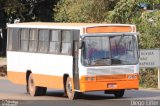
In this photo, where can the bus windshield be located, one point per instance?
(109, 50)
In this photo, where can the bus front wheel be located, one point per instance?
(35, 90)
(119, 93)
(69, 89)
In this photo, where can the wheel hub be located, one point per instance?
(70, 87)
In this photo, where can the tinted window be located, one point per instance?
(43, 40)
(9, 35)
(55, 41)
(13, 39)
(67, 38)
(96, 51)
(24, 39)
(123, 50)
(33, 41)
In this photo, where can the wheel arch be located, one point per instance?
(65, 78)
(28, 72)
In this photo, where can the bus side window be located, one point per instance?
(13, 39)
(15, 46)
(10, 36)
(55, 41)
(33, 40)
(24, 40)
(43, 41)
(67, 39)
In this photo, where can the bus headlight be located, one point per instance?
(129, 77)
(132, 77)
(90, 78)
(87, 78)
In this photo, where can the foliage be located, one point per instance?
(149, 30)
(148, 78)
(122, 12)
(2, 14)
(28, 10)
(82, 10)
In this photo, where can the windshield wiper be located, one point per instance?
(120, 39)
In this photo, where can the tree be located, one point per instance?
(149, 29)
(82, 10)
(29, 10)
(2, 29)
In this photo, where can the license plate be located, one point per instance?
(111, 85)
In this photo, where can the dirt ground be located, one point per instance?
(2, 61)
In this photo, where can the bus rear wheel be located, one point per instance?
(119, 93)
(69, 89)
(35, 90)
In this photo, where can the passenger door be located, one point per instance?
(75, 66)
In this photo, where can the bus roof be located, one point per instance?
(52, 25)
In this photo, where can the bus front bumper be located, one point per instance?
(109, 85)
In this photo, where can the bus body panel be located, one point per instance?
(47, 69)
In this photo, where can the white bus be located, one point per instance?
(75, 57)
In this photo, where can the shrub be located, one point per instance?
(148, 78)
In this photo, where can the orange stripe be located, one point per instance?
(108, 29)
(39, 79)
(48, 81)
(17, 77)
(99, 83)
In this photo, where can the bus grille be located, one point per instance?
(110, 77)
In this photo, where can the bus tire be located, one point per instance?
(43, 91)
(33, 90)
(27, 77)
(69, 89)
(27, 89)
(119, 93)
